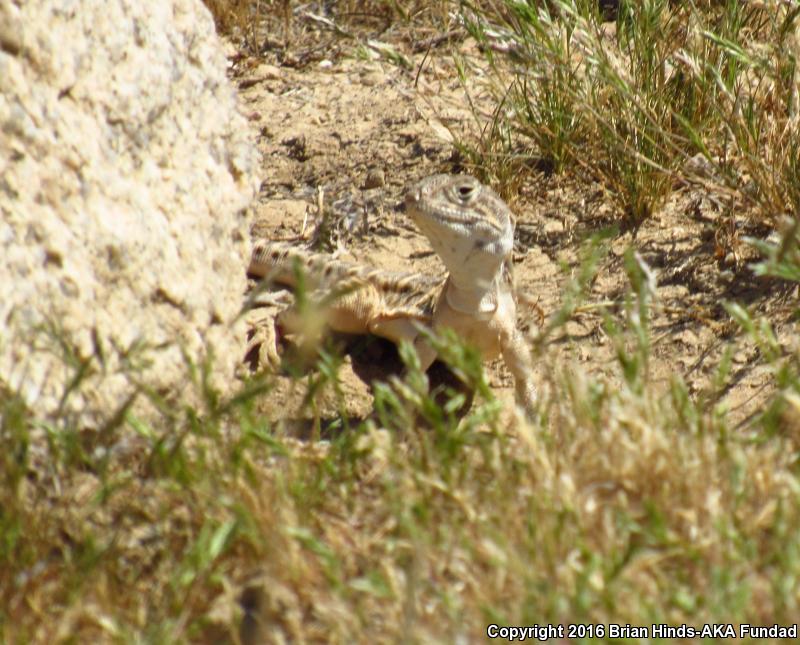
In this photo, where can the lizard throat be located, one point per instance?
(475, 301)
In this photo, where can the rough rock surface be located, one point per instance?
(125, 171)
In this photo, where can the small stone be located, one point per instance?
(373, 77)
(375, 179)
(268, 72)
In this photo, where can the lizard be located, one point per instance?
(471, 229)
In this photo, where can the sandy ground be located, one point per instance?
(353, 134)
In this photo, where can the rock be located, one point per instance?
(125, 173)
(375, 179)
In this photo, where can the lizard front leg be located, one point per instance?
(517, 358)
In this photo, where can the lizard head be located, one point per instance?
(468, 225)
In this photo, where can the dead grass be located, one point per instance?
(299, 34)
(618, 505)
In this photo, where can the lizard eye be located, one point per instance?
(465, 192)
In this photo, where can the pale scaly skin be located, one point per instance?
(472, 230)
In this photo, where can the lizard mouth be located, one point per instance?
(444, 216)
